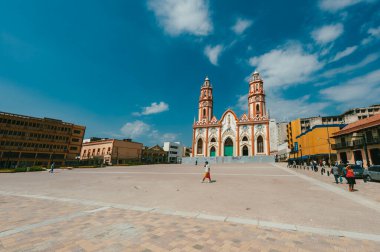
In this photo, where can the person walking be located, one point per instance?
(335, 172)
(52, 167)
(207, 173)
(350, 178)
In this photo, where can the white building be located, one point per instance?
(174, 150)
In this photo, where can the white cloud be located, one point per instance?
(327, 33)
(135, 129)
(344, 53)
(349, 68)
(358, 91)
(286, 66)
(213, 53)
(154, 108)
(374, 34)
(285, 110)
(241, 25)
(139, 129)
(183, 16)
(336, 5)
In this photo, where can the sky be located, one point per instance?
(133, 69)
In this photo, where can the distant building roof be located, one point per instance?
(359, 125)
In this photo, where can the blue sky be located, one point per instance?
(134, 68)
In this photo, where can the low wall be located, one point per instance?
(221, 160)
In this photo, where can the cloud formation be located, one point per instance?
(286, 66)
(213, 53)
(183, 16)
(154, 108)
(327, 33)
(241, 25)
(336, 5)
(374, 34)
(349, 68)
(139, 129)
(344, 53)
(355, 92)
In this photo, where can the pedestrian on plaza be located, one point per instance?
(360, 163)
(350, 178)
(335, 172)
(196, 161)
(207, 173)
(52, 167)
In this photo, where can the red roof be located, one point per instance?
(359, 125)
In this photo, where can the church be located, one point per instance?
(247, 135)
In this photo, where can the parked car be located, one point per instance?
(372, 173)
(357, 169)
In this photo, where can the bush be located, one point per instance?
(30, 169)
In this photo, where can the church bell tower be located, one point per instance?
(205, 111)
(256, 97)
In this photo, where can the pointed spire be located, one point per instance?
(206, 83)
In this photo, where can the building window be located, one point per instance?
(245, 139)
(213, 140)
(77, 131)
(75, 140)
(200, 146)
(257, 109)
(73, 148)
(204, 112)
(260, 144)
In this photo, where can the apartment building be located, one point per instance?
(29, 141)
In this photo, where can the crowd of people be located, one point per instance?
(344, 173)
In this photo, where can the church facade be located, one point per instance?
(247, 135)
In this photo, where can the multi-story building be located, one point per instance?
(273, 136)
(186, 151)
(154, 154)
(281, 133)
(174, 150)
(301, 125)
(111, 151)
(29, 141)
(359, 141)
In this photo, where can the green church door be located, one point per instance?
(228, 148)
(212, 152)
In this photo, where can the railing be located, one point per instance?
(355, 143)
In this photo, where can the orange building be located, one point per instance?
(111, 151)
(359, 141)
(28, 141)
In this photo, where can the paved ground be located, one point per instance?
(250, 207)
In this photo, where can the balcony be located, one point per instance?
(359, 143)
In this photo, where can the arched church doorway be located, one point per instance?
(212, 151)
(228, 147)
(200, 146)
(260, 144)
(245, 150)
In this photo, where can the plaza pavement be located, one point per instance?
(250, 207)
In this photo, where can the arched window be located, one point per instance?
(200, 146)
(213, 140)
(245, 139)
(204, 112)
(257, 109)
(260, 144)
(245, 151)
